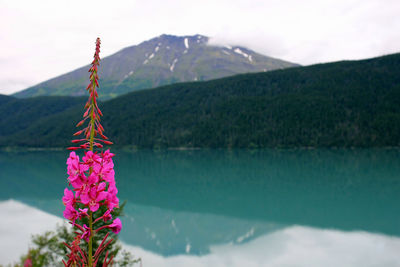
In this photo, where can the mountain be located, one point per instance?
(163, 60)
(341, 104)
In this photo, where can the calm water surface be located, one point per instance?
(183, 202)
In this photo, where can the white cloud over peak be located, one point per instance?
(48, 38)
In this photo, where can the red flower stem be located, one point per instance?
(101, 244)
(98, 252)
(110, 261)
(78, 226)
(83, 255)
(68, 246)
(101, 228)
(98, 219)
(105, 260)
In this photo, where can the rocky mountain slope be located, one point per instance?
(160, 61)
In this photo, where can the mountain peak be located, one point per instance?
(159, 61)
(179, 41)
(174, 37)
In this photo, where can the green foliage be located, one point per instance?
(47, 249)
(341, 104)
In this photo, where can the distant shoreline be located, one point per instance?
(130, 148)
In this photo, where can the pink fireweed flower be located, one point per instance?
(70, 213)
(68, 198)
(90, 158)
(84, 188)
(96, 194)
(107, 216)
(72, 158)
(93, 178)
(83, 213)
(112, 200)
(28, 262)
(77, 181)
(105, 171)
(107, 155)
(75, 170)
(116, 226)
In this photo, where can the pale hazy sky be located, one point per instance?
(42, 39)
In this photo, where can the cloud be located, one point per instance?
(12, 85)
(311, 32)
(57, 36)
(16, 228)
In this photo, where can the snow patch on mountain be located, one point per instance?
(129, 74)
(186, 43)
(173, 65)
(240, 52)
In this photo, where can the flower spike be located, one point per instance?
(92, 111)
(93, 183)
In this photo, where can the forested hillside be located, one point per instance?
(341, 104)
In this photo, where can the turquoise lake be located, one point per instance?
(186, 202)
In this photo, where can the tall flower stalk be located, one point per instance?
(93, 183)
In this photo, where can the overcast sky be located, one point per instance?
(42, 39)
